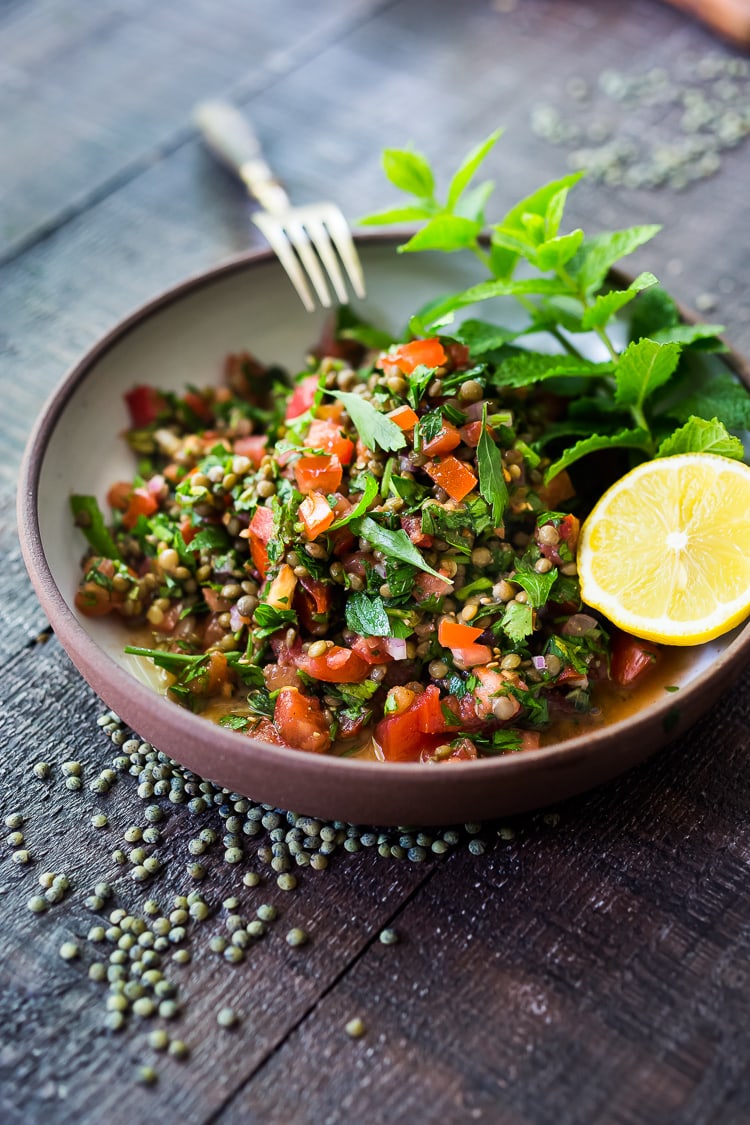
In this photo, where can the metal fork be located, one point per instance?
(303, 238)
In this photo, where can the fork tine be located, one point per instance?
(321, 240)
(344, 243)
(300, 241)
(279, 243)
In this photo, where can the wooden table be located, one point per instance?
(593, 964)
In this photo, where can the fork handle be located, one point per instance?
(231, 138)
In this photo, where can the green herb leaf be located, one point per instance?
(555, 252)
(655, 311)
(607, 304)
(373, 427)
(524, 368)
(518, 621)
(701, 436)
(722, 397)
(210, 538)
(371, 490)
(481, 337)
(88, 517)
(687, 334)
(366, 615)
(546, 201)
(537, 586)
(622, 439)
(469, 166)
(599, 253)
(492, 484)
(644, 366)
(269, 619)
(396, 215)
(394, 544)
(409, 171)
(444, 232)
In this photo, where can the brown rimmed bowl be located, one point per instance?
(181, 337)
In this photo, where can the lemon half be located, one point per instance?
(665, 552)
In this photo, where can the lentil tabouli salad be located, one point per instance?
(379, 556)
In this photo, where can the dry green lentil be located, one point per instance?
(158, 1039)
(355, 1028)
(296, 937)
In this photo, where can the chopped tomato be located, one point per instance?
(428, 586)
(372, 649)
(211, 678)
(418, 353)
(188, 532)
(463, 751)
(214, 601)
(472, 431)
(452, 475)
(337, 665)
(630, 658)
(312, 601)
(412, 525)
(404, 417)
(418, 729)
(198, 405)
(259, 534)
(443, 442)
(556, 491)
(97, 598)
(351, 727)
(300, 721)
(325, 434)
(491, 686)
(145, 404)
(318, 473)
(452, 634)
(301, 398)
(141, 502)
(316, 514)
(472, 655)
(252, 446)
(119, 494)
(265, 731)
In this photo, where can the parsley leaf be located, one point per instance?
(518, 621)
(492, 484)
(374, 428)
(537, 586)
(370, 492)
(394, 544)
(269, 619)
(366, 615)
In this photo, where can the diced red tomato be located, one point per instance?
(338, 665)
(417, 353)
(453, 634)
(404, 417)
(119, 494)
(420, 728)
(141, 502)
(300, 721)
(630, 658)
(188, 532)
(463, 751)
(472, 431)
(557, 491)
(444, 442)
(312, 602)
(318, 473)
(412, 525)
(325, 434)
(374, 650)
(265, 731)
(452, 475)
(351, 727)
(213, 600)
(198, 405)
(316, 514)
(428, 586)
(252, 446)
(301, 398)
(145, 404)
(259, 534)
(472, 655)
(491, 686)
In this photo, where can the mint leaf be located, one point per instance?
(393, 544)
(655, 310)
(433, 313)
(471, 205)
(444, 232)
(492, 484)
(555, 252)
(525, 368)
(396, 215)
(409, 171)
(623, 439)
(723, 397)
(366, 615)
(480, 336)
(599, 254)
(701, 436)
(373, 427)
(469, 166)
(546, 200)
(518, 621)
(371, 490)
(686, 334)
(644, 366)
(211, 538)
(607, 304)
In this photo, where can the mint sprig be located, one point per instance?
(565, 293)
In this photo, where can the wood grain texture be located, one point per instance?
(593, 964)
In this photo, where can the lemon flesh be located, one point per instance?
(665, 552)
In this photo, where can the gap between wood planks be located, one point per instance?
(240, 93)
(430, 874)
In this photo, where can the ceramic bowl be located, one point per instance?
(181, 337)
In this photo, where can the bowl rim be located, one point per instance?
(83, 649)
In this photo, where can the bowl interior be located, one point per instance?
(181, 338)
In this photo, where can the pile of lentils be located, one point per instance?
(653, 129)
(140, 928)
